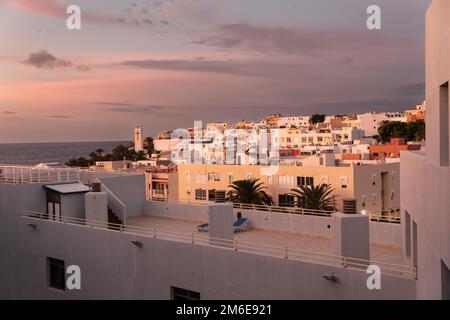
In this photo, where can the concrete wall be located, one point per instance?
(425, 179)
(380, 233)
(425, 190)
(176, 211)
(72, 205)
(114, 268)
(130, 190)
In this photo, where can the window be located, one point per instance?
(200, 194)
(325, 179)
(286, 181)
(213, 176)
(344, 182)
(407, 234)
(305, 181)
(183, 294)
(56, 274)
(286, 200)
(212, 195)
(201, 178)
(443, 125)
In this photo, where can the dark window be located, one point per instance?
(286, 200)
(56, 273)
(212, 195)
(305, 181)
(183, 294)
(200, 194)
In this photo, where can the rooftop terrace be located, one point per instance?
(294, 241)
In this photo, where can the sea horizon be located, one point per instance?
(32, 153)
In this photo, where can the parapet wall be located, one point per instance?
(380, 233)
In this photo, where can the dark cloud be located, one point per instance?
(292, 41)
(147, 22)
(83, 68)
(8, 112)
(227, 66)
(164, 22)
(45, 60)
(58, 116)
(130, 107)
(169, 111)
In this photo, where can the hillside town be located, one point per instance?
(355, 155)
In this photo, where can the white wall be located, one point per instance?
(380, 233)
(113, 268)
(130, 190)
(72, 205)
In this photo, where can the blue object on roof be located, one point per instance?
(240, 222)
(203, 227)
(239, 225)
(67, 188)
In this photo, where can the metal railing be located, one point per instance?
(388, 216)
(115, 204)
(282, 252)
(288, 210)
(17, 174)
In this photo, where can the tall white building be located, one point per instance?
(371, 121)
(138, 139)
(425, 176)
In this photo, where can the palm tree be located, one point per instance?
(249, 191)
(99, 152)
(315, 197)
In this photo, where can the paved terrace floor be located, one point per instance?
(387, 254)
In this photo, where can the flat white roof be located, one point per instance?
(67, 188)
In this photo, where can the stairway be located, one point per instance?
(114, 223)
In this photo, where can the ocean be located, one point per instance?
(61, 152)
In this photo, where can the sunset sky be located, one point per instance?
(166, 63)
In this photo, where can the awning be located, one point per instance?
(67, 188)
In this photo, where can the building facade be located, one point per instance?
(425, 178)
(374, 186)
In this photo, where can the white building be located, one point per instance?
(371, 121)
(129, 248)
(425, 178)
(138, 139)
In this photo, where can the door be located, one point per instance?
(53, 205)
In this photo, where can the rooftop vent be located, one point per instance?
(219, 196)
(349, 206)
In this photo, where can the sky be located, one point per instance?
(166, 63)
